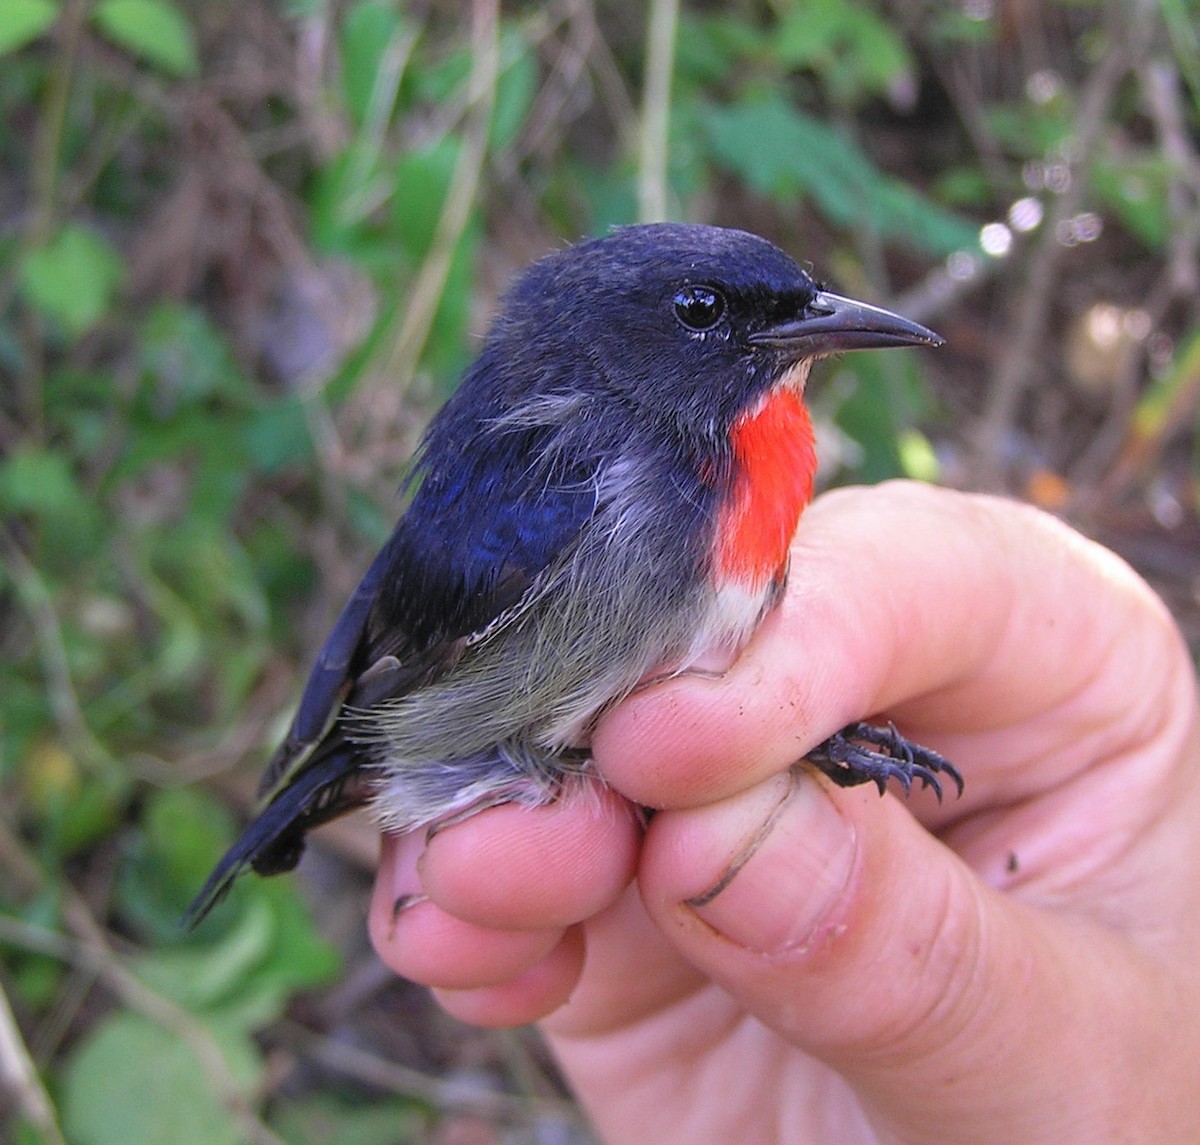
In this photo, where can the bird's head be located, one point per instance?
(695, 323)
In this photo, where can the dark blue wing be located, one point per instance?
(274, 839)
(327, 683)
(474, 538)
(479, 530)
(495, 501)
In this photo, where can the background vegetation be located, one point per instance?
(245, 249)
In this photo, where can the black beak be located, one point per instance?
(832, 323)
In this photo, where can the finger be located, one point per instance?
(958, 615)
(522, 868)
(632, 974)
(420, 941)
(837, 921)
(539, 991)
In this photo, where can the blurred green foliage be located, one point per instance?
(215, 358)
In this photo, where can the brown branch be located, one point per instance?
(1128, 36)
(653, 141)
(400, 360)
(19, 1077)
(441, 1094)
(89, 950)
(64, 702)
(1113, 444)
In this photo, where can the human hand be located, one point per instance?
(1017, 965)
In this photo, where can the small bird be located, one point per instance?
(607, 499)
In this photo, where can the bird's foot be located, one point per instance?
(865, 753)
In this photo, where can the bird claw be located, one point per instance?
(865, 753)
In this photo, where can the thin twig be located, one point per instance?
(1160, 83)
(68, 712)
(405, 351)
(1084, 476)
(654, 141)
(439, 1093)
(43, 175)
(614, 94)
(19, 1077)
(1112, 442)
(972, 116)
(369, 142)
(550, 111)
(43, 199)
(1016, 368)
(90, 950)
(940, 290)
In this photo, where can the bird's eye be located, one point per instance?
(698, 307)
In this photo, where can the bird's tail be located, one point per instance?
(330, 784)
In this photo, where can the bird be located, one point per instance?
(607, 499)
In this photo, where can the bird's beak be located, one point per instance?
(832, 324)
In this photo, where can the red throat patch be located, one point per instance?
(775, 462)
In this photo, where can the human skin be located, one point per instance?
(1017, 965)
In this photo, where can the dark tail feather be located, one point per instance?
(273, 840)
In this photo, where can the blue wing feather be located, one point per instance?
(272, 841)
(478, 532)
(493, 505)
(327, 682)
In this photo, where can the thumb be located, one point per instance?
(841, 924)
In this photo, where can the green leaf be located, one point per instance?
(515, 89)
(964, 186)
(370, 520)
(446, 353)
(1031, 130)
(856, 51)
(345, 202)
(187, 356)
(807, 156)
(918, 458)
(324, 1119)
(300, 958)
(39, 482)
(208, 976)
(709, 48)
(72, 279)
(882, 395)
(422, 179)
(1179, 18)
(70, 522)
(279, 435)
(1166, 393)
(1135, 187)
(38, 981)
(185, 833)
(132, 1081)
(369, 32)
(267, 950)
(78, 816)
(22, 21)
(610, 193)
(439, 79)
(950, 26)
(154, 30)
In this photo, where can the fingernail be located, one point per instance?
(406, 857)
(406, 902)
(400, 878)
(784, 879)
